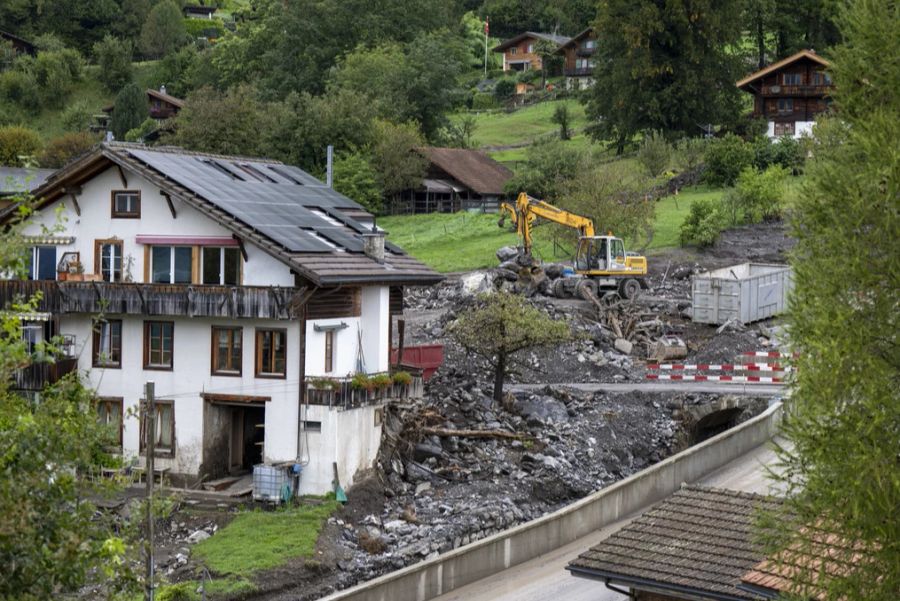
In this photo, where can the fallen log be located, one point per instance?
(444, 432)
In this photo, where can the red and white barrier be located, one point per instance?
(777, 369)
(703, 378)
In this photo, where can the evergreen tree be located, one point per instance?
(665, 66)
(129, 111)
(842, 475)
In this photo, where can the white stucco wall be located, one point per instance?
(375, 324)
(349, 437)
(801, 128)
(190, 376)
(346, 343)
(96, 223)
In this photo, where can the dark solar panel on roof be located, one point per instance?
(277, 210)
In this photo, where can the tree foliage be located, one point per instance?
(114, 59)
(397, 164)
(703, 224)
(355, 178)
(18, 145)
(232, 122)
(62, 149)
(130, 110)
(654, 153)
(665, 66)
(562, 118)
(725, 158)
(548, 166)
(841, 475)
(501, 325)
(163, 31)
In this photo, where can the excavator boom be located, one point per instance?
(528, 209)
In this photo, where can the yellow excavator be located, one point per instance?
(601, 260)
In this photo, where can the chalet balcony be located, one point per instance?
(579, 72)
(40, 374)
(188, 300)
(581, 51)
(813, 91)
(351, 392)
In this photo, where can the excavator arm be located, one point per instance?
(527, 210)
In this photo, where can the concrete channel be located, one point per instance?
(462, 566)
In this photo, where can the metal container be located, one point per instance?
(742, 293)
(268, 483)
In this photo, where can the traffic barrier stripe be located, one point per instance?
(719, 367)
(760, 379)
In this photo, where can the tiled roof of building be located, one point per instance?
(165, 97)
(15, 180)
(473, 168)
(280, 208)
(697, 542)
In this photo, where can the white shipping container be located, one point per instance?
(744, 293)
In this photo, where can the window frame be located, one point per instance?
(98, 258)
(789, 106)
(329, 351)
(146, 344)
(96, 344)
(157, 450)
(214, 353)
(222, 251)
(133, 214)
(788, 79)
(108, 400)
(172, 253)
(35, 266)
(260, 332)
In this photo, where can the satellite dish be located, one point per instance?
(775, 89)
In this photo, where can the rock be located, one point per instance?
(196, 537)
(422, 487)
(424, 450)
(476, 282)
(507, 253)
(623, 346)
(542, 408)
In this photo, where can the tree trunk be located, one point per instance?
(499, 376)
(760, 38)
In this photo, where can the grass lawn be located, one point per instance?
(454, 242)
(466, 241)
(671, 211)
(500, 128)
(258, 540)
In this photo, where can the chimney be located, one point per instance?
(373, 243)
(162, 89)
(329, 167)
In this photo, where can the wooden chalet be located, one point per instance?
(790, 93)
(161, 104)
(199, 12)
(457, 179)
(519, 51)
(578, 67)
(19, 45)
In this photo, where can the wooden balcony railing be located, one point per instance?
(40, 374)
(191, 300)
(579, 72)
(777, 90)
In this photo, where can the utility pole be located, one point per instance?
(150, 449)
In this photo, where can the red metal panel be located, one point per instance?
(427, 357)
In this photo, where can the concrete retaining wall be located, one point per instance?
(488, 556)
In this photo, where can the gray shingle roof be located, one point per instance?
(14, 180)
(699, 541)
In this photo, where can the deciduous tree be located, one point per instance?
(394, 157)
(669, 66)
(163, 30)
(114, 59)
(501, 325)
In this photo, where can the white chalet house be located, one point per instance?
(235, 285)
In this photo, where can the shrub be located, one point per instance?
(654, 153)
(482, 101)
(759, 193)
(66, 147)
(114, 59)
(323, 384)
(725, 159)
(401, 377)
(137, 134)
(689, 153)
(55, 74)
(77, 116)
(703, 224)
(504, 88)
(19, 87)
(790, 153)
(205, 28)
(17, 145)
